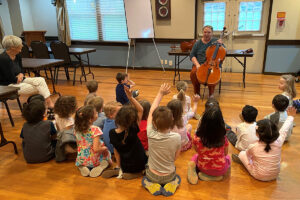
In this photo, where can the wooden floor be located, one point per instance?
(51, 180)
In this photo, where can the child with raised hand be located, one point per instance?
(92, 155)
(92, 87)
(164, 149)
(38, 135)
(180, 123)
(97, 102)
(288, 88)
(211, 145)
(262, 159)
(128, 149)
(123, 80)
(64, 108)
(143, 124)
(280, 104)
(245, 131)
(182, 87)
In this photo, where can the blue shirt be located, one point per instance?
(108, 125)
(120, 93)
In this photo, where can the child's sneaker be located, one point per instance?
(110, 173)
(192, 176)
(205, 177)
(236, 158)
(135, 93)
(97, 171)
(84, 170)
(170, 188)
(153, 188)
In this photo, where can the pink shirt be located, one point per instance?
(264, 165)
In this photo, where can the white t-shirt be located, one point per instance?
(162, 150)
(246, 135)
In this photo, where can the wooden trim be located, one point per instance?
(140, 68)
(267, 36)
(277, 73)
(148, 40)
(283, 42)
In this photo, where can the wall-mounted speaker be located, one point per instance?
(0, 2)
(163, 9)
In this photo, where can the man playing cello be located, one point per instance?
(198, 57)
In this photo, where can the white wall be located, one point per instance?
(291, 31)
(25, 8)
(44, 16)
(5, 16)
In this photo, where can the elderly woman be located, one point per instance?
(12, 74)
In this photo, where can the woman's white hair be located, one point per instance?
(10, 41)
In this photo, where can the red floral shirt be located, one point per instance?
(210, 158)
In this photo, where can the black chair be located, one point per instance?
(9, 93)
(4, 142)
(25, 51)
(40, 50)
(61, 51)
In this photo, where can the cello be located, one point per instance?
(209, 73)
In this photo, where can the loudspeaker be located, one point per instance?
(163, 9)
(0, 2)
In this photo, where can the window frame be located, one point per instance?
(238, 17)
(226, 11)
(99, 30)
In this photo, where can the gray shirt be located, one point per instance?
(37, 142)
(162, 150)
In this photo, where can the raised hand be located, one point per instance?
(291, 111)
(196, 98)
(164, 89)
(128, 92)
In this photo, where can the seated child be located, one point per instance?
(64, 108)
(280, 104)
(92, 87)
(245, 131)
(92, 155)
(143, 124)
(128, 149)
(180, 119)
(182, 87)
(97, 102)
(262, 159)
(164, 149)
(110, 109)
(211, 145)
(38, 135)
(123, 80)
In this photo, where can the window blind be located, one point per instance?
(97, 20)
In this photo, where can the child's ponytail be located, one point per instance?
(268, 147)
(181, 96)
(267, 132)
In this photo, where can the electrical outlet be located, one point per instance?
(166, 62)
(162, 61)
(170, 63)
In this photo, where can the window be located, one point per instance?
(214, 15)
(97, 20)
(250, 14)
